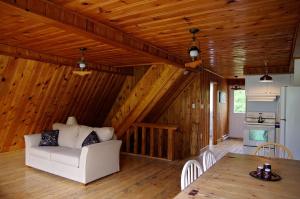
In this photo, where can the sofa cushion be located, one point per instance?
(104, 133)
(43, 152)
(68, 134)
(67, 156)
(92, 138)
(49, 138)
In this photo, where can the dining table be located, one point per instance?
(229, 178)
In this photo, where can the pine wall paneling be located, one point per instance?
(158, 79)
(36, 94)
(126, 89)
(194, 123)
(175, 108)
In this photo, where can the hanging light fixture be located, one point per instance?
(82, 64)
(236, 86)
(266, 77)
(194, 50)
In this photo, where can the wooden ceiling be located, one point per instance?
(236, 35)
(32, 33)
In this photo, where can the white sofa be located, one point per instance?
(69, 159)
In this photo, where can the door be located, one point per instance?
(292, 125)
(237, 107)
(213, 130)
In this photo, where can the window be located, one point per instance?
(239, 105)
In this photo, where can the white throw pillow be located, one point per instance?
(104, 133)
(68, 134)
(84, 131)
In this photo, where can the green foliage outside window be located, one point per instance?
(239, 101)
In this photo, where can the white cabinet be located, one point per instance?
(256, 88)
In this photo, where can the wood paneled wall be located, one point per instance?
(158, 79)
(194, 123)
(126, 89)
(34, 94)
(175, 107)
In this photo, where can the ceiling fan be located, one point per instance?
(194, 53)
(82, 65)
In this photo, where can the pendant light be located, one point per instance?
(82, 65)
(194, 50)
(266, 78)
(236, 86)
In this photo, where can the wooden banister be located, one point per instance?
(158, 126)
(154, 140)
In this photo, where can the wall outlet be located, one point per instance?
(193, 106)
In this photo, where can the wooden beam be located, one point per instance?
(29, 54)
(194, 64)
(261, 70)
(53, 14)
(235, 82)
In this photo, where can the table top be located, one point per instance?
(229, 178)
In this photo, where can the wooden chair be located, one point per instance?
(190, 172)
(208, 160)
(273, 150)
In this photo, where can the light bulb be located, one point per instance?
(194, 52)
(82, 65)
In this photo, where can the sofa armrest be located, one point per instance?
(100, 159)
(32, 140)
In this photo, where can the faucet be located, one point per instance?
(260, 118)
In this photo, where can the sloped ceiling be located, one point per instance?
(34, 94)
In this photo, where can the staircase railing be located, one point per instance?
(154, 140)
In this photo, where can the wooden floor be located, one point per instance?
(139, 178)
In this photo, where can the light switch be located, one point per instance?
(202, 106)
(193, 106)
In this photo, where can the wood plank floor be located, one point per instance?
(138, 178)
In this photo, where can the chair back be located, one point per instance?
(190, 172)
(273, 150)
(209, 159)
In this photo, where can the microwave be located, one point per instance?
(255, 135)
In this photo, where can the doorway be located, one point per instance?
(237, 106)
(213, 112)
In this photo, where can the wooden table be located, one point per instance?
(229, 178)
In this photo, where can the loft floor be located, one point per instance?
(138, 178)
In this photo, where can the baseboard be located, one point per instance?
(235, 138)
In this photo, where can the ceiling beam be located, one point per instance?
(29, 54)
(261, 70)
(63, 18)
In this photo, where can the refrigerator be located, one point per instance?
(290, 119)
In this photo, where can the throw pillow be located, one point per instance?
(84, 131)
(92, 138)
(49, 138)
